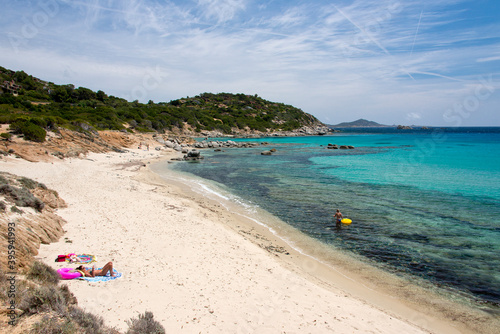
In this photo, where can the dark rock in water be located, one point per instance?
(343, 147)
(272, 150)
(266, 153)
(193, 159)
(193, 154)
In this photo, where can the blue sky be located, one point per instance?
(424, 62)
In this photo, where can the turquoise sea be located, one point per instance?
(424, 203)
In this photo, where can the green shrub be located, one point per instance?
(53, 325)
(33, 132)
(144, 324)
(43, 299)
(6, 135)
(88, 322)
(29, 128)
(28, 183)
(22, 197)
(68, 295)
(42, 273)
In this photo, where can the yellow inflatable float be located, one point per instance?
(346, 221)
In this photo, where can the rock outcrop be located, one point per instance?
(191, 155)
(224, 144)
(24, 224)
(313, 130)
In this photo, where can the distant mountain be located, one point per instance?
(360, 123)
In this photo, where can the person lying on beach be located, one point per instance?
(108, 268)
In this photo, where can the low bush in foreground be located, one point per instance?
(43, 298)
(145, 324)
(42, 273)
(89, 322)
(53, 325)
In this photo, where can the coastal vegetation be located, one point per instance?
(32, 106)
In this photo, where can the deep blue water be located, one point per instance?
(423, 202)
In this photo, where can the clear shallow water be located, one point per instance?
(423, 203)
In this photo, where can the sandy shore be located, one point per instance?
(195, 265)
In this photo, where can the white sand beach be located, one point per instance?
(183, 259)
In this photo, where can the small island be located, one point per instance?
(360, 123)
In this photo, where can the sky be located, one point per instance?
(409, 62)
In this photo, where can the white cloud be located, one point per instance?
(487, 59)
(413, 116)
(221, 10)
(344, 62)
(293, 16)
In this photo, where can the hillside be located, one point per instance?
(360, 123)
(24, 98)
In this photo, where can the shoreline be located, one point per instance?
(415, 301)
(186, 258)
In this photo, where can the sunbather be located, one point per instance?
(108, 268)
